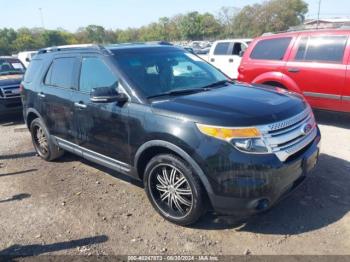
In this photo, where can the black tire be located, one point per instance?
(40, 137)
(275, 84)
(185, 188)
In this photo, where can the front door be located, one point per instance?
(103, 127)
(221, 57)
(318, 67)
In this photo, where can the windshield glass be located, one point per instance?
(154, 73)
(11, 66)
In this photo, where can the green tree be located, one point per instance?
(7, 37)
(225, 17)
(271, 16)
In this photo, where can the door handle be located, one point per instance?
(212, 60)
(294, 70)
(41, 94)
(80, 105)
(230, 60)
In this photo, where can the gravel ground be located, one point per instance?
(74, 207)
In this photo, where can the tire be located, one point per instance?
(177, 194)
(275, 84)
(42, 142)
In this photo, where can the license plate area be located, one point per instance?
(310, 162)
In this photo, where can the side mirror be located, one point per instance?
(107, 95)
(241, 53)
(27, 59)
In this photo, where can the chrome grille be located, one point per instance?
(10, 91)
(287, 137)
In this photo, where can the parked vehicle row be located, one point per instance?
(11, 73)
(164, 116)
(315, 64)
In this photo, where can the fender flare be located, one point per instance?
(31, 110)
(279, 77)
(179, 151)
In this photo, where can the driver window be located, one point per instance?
(94, 74)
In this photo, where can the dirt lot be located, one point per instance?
(74, 207)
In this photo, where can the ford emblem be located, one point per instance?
(305, 129)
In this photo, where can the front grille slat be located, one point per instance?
(286, 138)
(8, 91)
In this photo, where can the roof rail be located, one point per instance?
(69, 47)
(158, 43)
(139, 43)
(303, 28)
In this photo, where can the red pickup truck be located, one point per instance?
(313, 63)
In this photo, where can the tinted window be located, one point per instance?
(321, 48)
(33, 70)
(271, 49)
(222, 48)
(61, 72)
(94, 74)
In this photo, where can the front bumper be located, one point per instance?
(254, 186)
(10, 105)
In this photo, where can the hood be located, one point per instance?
(10, 79)
(234, 105)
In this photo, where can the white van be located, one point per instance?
(226, 55)
(26, 57)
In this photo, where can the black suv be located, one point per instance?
(164, 116)
(11, 74)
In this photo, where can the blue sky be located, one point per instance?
(112, 14)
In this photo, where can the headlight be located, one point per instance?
(245, 139)
(254, 145)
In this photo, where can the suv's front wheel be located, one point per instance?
(174, 190)
(43, 145)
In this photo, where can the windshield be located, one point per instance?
(11, 66)
(155, 73)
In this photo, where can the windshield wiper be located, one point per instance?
(217, 84)
(11, 73)
(180, 92)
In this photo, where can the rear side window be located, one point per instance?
(61, 72)
(94, 74)
(222, 48)
(271, 49)
(33, 70)
(321, 49)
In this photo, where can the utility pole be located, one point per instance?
(318, 14)
(41, 18)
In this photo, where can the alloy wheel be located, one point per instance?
(170, 190)
(41, 140)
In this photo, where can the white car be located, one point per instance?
(226, 55)
(26, 57)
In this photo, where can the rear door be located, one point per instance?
(318, 66)
(103, 127)
(56, 95)
(266, 59)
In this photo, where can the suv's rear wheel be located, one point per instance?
(174, 190)
(42, 141)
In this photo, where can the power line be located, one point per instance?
(41, 18)
(318, 14)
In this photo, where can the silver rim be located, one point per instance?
(41, 140)
(171, 190)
